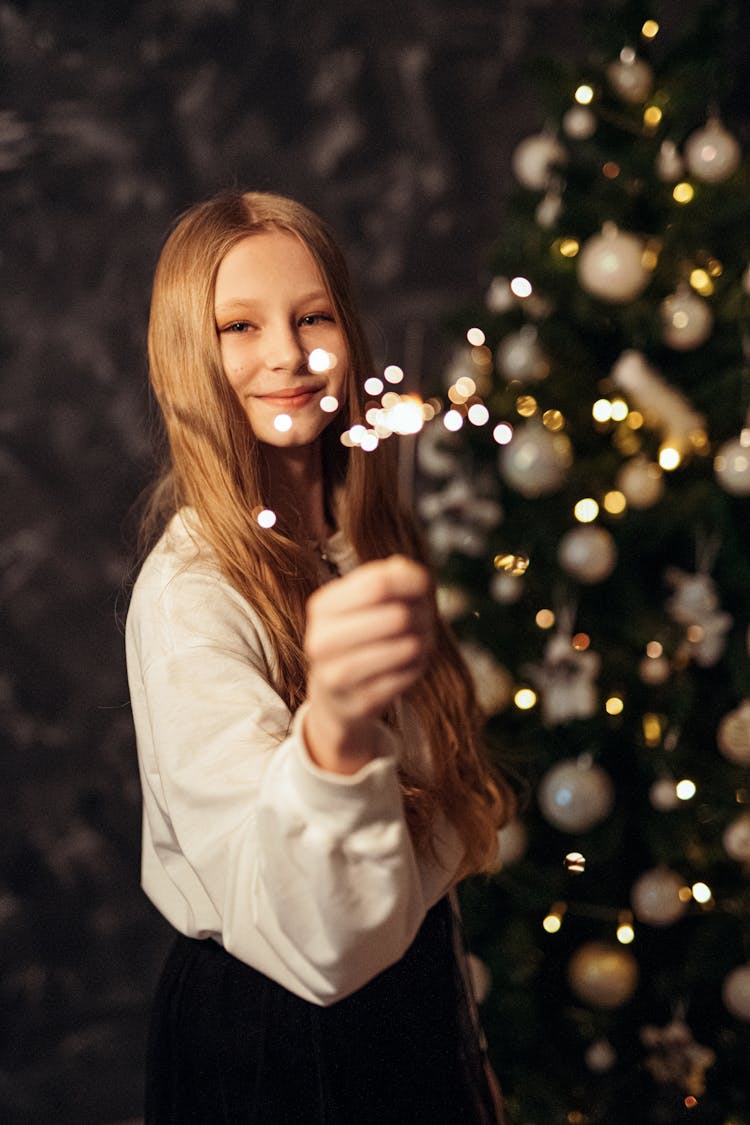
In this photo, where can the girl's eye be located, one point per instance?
(315, 318)
(236, 326)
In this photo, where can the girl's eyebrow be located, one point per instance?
(244, 304)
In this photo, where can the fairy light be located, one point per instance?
(569, 247)
(650, 29)
(715, 267)
(625, 931)
(683, 192)
(319, 360)
(575, 863)
(695, 634)
(701, 893)
(553, 420)
(634, 420)
(266, 518)
(329, 404)
(476, 337)
(552, 921)
(393, 374)
(669, 457)
(357, 432)
(502, 433)
(373, 385)
(428, 411)
(611, 170)
(614, 502)
(521, 287)
(701, 282)
(685, 789)
(526, 405)
(602, 410)
(452, 420)
(654, 649)
(650, 257)
(586, 510)
(652, 729)
(370, 441)
(652, 116)
(685, 894)
(620, 410)
(282, 423)
(545, 619)
(580, 642)
(525, 699)
(511, 564)
(584, 95)
(614, 705)
(690, 1102)
(404, 416)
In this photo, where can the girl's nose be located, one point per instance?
(284, 351)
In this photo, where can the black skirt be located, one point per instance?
(229, 1046)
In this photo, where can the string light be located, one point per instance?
(683, 192)
(669, 458)
(625, 931)
(568, 247)
(611, 170)
(319, 360)
(373, 385)
(452, 420)
(614, 705)
(650, 29)
(620, 410)
(580, 642)
(524, 699)
(282, 423)
(526, 405)
(586, 510)
(329, 404)
(701, 893)
(575, 863)
(502, 433)
(478, 414)
(584, 95)
(476, 337)
(654, 649)
(554, 917)
(602, 410)
(685, 789)
(393, 374)
(553, 420)
(652, 729)
(614, 502)
(511, 564)
(521, 287)
(545, 619)
(266, 518)
(652, 116)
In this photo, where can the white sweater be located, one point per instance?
(309, 876)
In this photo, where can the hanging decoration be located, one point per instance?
(535, 158)
(735, 992)
(674, 1056)
(603, 975)
(520, 356)
(669, 164)
(663, 407)
(575, 795)
(733, 734)
(712, 154)
(655, 897)
(610, 265)
(566, 679)
(641, 482)
(588, 553)
(732, 465)
(686, 318)
(695, 604)
(536, 460)
(630, 77)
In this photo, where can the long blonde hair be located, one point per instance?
(214, 466)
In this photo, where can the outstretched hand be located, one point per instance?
(367, 640)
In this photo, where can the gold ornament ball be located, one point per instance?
(712, 154)
(732, 466)
(655, 897)
(610, 265)
(733, 734)
(641, 482)
(686, 320)
(603, 975)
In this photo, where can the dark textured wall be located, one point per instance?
(396, 121)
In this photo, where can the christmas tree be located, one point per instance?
(585, 492)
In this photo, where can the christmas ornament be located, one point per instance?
(480, 977)
(499, 297)
(686, 319)
(630, 77)
(712, 154)
(574, 795)
(675, 1057)
(579, 123)
(733, 734)
(736, 839)
(520, 357)
(695, 604)
(655, 897)
(732, 465)
(534, 159)
(549, 209)
(664, 408)
(600, 1056)
(641, 482)
(438, 451)
(588, 553)
(506, 589)
(566, 680)
(735, 992)
(535, 461)
(492, 682)
(654, 670)
(610, 265)
(669, 164)
(512, 840)
(663, 794)
(603, 975)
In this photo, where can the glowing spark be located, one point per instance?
(502, 433)
(319, 360)
(521, 287)
(282, 423)
(452, 420)
(476, 337)
(685, 789)
(405, 416)
(393, 374)
(575, 862)
(478, 414)
(373, 385)
(329, 403)
(584, 95)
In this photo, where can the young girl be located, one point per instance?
(313, 783)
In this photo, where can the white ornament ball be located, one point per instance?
(512, 840)
(732, 465)
(535, 461)
(655, 897)
(499, 297)
(574, 796)
(630, 77)
(610, 265)
(669, 164)
(587, 553)
(733, 734)
(506, 589)
(493, 682)
(480, 977)
(603, 975)
(663, 794)
(712, 154)
(736, 838)
(519, 356)
(654, 670)
(735, 992)
(600, 1056)
(535, 157)
(686, 320)
(641, 482)
(579, 123)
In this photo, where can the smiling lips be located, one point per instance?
(291, 397)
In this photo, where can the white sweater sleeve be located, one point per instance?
(308, 876)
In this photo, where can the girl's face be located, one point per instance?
(272, 310)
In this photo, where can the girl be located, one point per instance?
(313, 784)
